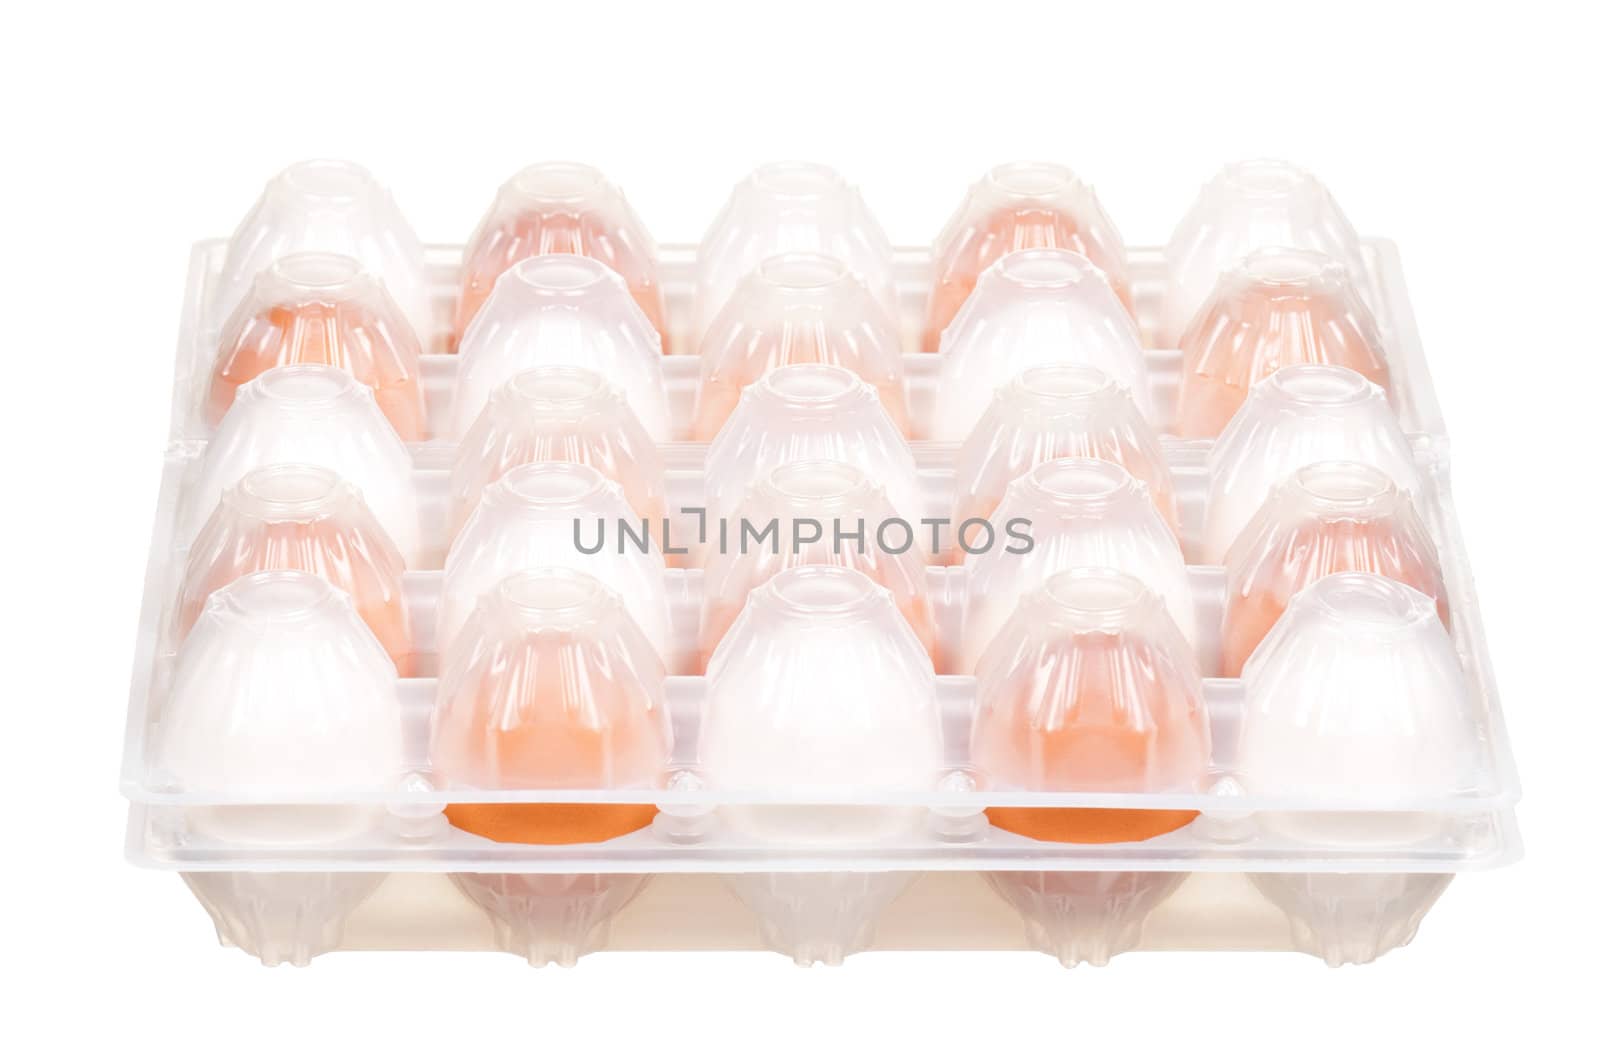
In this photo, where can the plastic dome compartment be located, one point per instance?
(1016, 207)
(309, 415)
(1327, 517)
(559, 413)
(802, 412)
(563, 310)
(560, 208)
(1058, 411)
(553, 513)
(322, 309)
(551, 686)
(333, 207)
(1277, 307)
(798, 308)
(304, 518)
(1033, 308)
(1357, 690)
(280, 690)
(1298, 415)
(820, 688)
(818, 512)
(280, 694)
(782, 207)
(1081, 513)
(1089, 686)
(1246, 207)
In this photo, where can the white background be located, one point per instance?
(1467, 136)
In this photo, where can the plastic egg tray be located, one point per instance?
(732, 854)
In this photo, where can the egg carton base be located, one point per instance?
(1337, 918)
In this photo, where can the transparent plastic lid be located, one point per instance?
(558, 413)
(314, 308)
(1296, 416)
(820, 685)
(554, 513)
(1015, 207)
(332, 207)
(781, 207)
(807, 513)
(1033, 308)
(1070, 513)
(1358, 685)
(1091, 686)
(1248, 206)
(562, 310)
(281, 685)
(310, 415)
(1331, 516)
(798, 308)
(1277, 307)
(1058, 411)
(799, 412)
(304, 518)
(559, 208)
(552, 685)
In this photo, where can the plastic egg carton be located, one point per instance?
(724, 851)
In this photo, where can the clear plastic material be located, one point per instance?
(282, 916)
(1015, 207)
(1358, 685)
(554, 513)
(809, 411)
(550, 918)
(827, 787)
(1094, 688)
(1070, 513)
(1084, 916)
(559, 208)
(797, 308)
(1277, 307)
(788, 206)
(820, 687)
(551, 685)
(329, 206)
(819, 916)
(1331, 516)
(310, 415)
(808, 513)
(1091, 686)
(1032, 308)
(1351, 918)
(321, 309)
(562, 310)
(1058, 411)
(305, 518)
(1247, 207)
(281, 687)
(1294, 417)
(558, 413)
